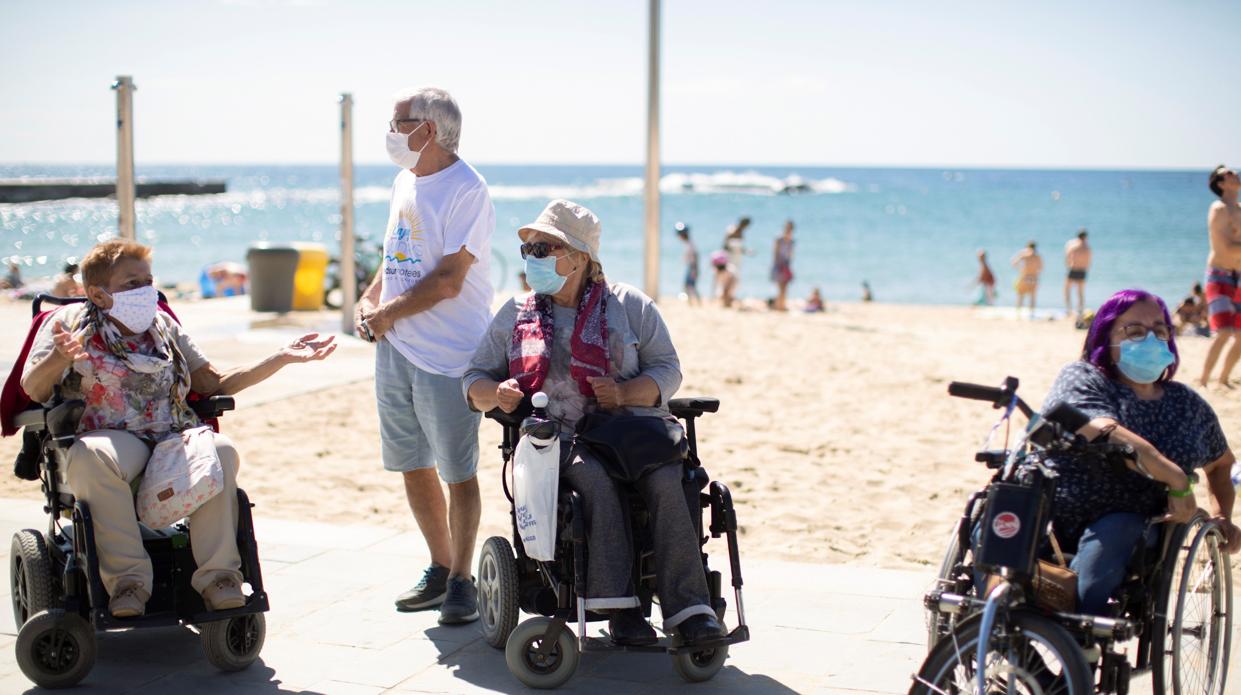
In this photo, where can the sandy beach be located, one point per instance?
(835, 432)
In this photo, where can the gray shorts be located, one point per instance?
(423, 419)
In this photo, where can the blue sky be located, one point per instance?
(1041, 84)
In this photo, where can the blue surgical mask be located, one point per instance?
(1144, 361)
(541, 275)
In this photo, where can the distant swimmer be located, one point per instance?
(782, 266)
(1223, 276)
(1029, 265)
(1077, 261)
(690, 257)
(986, 280)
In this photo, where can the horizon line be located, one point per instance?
(929, 167)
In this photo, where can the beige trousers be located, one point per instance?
(103, 464)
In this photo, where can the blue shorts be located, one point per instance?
(423, 419)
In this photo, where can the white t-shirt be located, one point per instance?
(430, 217)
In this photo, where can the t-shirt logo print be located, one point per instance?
(402, 254)
(405, 238)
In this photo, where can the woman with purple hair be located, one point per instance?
(1123, 381)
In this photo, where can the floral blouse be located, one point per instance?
(117, 398)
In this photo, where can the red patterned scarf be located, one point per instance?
(530, 352)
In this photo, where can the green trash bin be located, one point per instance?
(272, 269)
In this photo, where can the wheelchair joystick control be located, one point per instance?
(538, 425)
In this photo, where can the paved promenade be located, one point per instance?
(332, 629)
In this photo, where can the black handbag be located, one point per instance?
(630, 446)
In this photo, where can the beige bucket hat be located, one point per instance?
(573, 224)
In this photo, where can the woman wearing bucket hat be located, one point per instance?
(596, 346)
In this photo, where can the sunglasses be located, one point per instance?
(539, 249)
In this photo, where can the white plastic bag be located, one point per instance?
(536, 476)
(181, 475)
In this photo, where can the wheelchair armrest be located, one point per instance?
(514, 418)
(212, 406)
(32, 419)
(694, 406)
(63, 419)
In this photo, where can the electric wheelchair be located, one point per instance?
(1171, 616)
(543, 652)
(59, 600)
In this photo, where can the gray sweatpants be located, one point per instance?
(681, 584)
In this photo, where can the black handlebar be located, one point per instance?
(997, 396)
(976, 392)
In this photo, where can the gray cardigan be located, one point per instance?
(638, 344)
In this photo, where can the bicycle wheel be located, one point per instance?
(1200, 631)
(1027, 654)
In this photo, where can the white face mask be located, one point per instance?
(135, 309)
(399, 152)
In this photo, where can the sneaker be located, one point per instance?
(427, 593)
(461, 603)
(130, 600)
(223, 594)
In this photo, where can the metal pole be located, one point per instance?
(124, 86)
(348, 274)
(652, 156)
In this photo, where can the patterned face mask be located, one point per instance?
(135, 309)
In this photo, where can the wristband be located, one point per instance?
(1187, 492)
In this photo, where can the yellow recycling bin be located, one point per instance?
(308, 282)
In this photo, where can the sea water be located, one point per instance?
(912, 234)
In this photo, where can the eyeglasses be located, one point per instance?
(539, 249)
(1137, 331)
(394, 125)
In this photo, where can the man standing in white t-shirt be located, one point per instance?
(427, 310)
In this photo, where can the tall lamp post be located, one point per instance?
(348, 275)
(651, 284)
(124, 86)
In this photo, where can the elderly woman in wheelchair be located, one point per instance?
(134, 369)
(118, 379)
(1124, 383)
(598, 348)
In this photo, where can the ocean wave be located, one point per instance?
(746, 183)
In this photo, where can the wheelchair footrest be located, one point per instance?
(741, 633)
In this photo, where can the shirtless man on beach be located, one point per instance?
(1029, 264)
(1223, 281)
(1077, 261)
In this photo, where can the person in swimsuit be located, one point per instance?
(1077, 260)
(1029, 264)
(691, 264)
(986, 280)
(1223, 274)
(782, 266)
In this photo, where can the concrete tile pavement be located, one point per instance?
(332, 629)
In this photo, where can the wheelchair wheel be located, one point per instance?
(56, 649)
(696, 667)
(939, 624)
(1027, 654)
(537, 670)
(32, 585)
(1191, 647)
(497, 591)
(234, 644)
